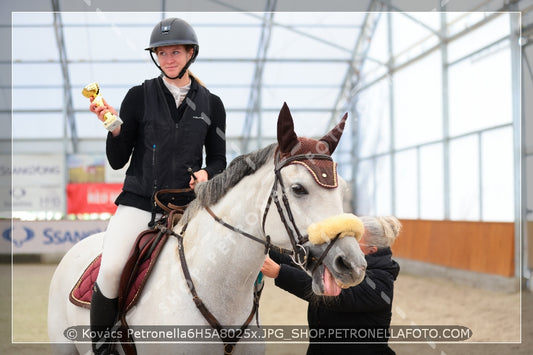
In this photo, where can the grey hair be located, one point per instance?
(382, 231)
(211, 191)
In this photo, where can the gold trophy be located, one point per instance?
(111, 121)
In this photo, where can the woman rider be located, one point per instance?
(167, 123)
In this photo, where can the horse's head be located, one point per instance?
(310, 209)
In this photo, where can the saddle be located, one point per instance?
(137, 270)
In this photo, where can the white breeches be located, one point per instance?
(122, 231)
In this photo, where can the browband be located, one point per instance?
(286, 161)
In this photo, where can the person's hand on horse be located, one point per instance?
(201, 175)
(101, 110)
(270, 268)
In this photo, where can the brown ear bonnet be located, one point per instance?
(290, 145)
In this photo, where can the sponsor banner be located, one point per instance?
(43, 237)
(34, 169)
(5, 170)
(86, 168)
(37, 183)
(33, 198)
(92, 198)
(93, 168)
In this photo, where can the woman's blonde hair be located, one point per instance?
(196, 78)
(382, 231)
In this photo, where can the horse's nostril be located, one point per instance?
(341, 264)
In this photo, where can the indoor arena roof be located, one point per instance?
(254, 60)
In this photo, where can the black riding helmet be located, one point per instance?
(173, 31)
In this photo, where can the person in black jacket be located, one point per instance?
(167, 123)
(358, 320)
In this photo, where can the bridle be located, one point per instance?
(299, 253)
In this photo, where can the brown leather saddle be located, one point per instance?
(137, 270)
(141, 260)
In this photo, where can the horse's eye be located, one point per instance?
(298, 189)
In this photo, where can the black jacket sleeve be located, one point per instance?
(215, 142)
(295, 281)
(119, 148)
(291, 278)
(373, 293)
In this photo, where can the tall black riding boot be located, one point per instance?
(103, 318)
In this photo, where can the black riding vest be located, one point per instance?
(168, 146)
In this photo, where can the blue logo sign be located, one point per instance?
(28, 235)
(53, 236)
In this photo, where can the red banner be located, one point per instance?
(92, 197)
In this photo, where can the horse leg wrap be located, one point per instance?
(103, 317)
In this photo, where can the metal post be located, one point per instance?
(68, 106)
(254, 100)
(392, 116)
(527, 74)
(445, 116)
(519, 144)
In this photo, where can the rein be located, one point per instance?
(321, 258)
(268, 245)
(229, 342)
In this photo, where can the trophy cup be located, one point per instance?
(111, 121)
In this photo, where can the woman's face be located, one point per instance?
(172, 59)
(365, 244)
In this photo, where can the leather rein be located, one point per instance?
(299, 253)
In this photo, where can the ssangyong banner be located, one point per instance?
(92, 198)
(35, 183)
(44, 237)
(37, 169)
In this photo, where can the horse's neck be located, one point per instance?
(221, 258)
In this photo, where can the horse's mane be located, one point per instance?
(209, 192)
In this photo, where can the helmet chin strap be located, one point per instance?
(179, 76)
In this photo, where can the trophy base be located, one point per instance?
(112, 123)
